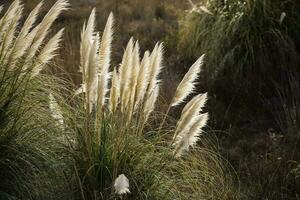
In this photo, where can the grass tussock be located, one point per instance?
(248, 46)
(31, 156)
(118, 136)
(102, 140)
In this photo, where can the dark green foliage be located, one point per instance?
(247, 48)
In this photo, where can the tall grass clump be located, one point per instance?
(248, 46)
(122, 146)
(32, 163)
(103, 140)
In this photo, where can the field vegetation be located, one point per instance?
(139, 99)
(102, 140)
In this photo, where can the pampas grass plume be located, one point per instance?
(114, 91)
(189, 117)
(24, 38)
(187, 85)
(121, 185)
(150, 103)
(189, 138)
(125, 71)
(45, 25)
(143, 79)
(104, 57)
(156, 67)
(47, 52)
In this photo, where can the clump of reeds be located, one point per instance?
(117, 136)
(135, 85)
(97, 141)
(32, 162)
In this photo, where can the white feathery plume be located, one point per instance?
(187, 85)
(189, 114)
(134, 77)
(135, 66)
(130, 95)
(196, 128)
(89, 61)
(8, 17)
(31, 19)
(55, 111)
(156, 67)
(114, 91)
(201, 98)
(87, 39)
(143, 79)
(44, 26)
(121, 185)
(189, 138)
(10, 34)
(105, 45)
(47, 53)
(125, 71)
(91, 74)
(27, 44)
(150, 103)
(24, 39)
(104, 54)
